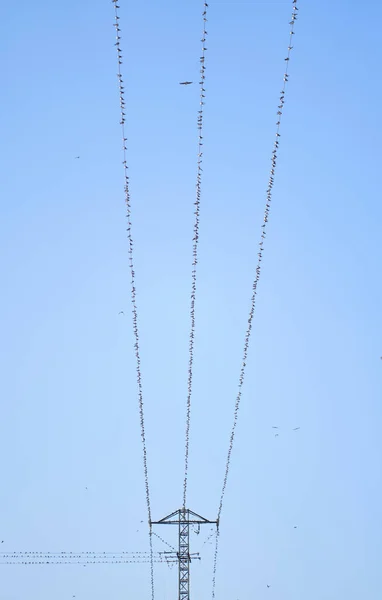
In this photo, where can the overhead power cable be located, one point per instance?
(68, 558)
(89, 561)
(195, 244)
(255, 282)
(164, 541)
(132, 281)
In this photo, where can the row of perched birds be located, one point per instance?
(133, 288)
(261, 246)
(162, 559)
(255, 282)
(39, 553)
(195, 245)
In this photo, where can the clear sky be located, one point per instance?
(69, 414)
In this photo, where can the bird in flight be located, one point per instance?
(2, 541)
(268, 586)
(76, 157)
(274, 427)
(295, 429)
(276, 435)
(121, 312)
(185, 82)
(295, 527)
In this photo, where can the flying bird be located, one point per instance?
(185, 82)
(121, 312)
(268, 586)
(274, 427)
(295, 527)
(76, 157)
(295, 429)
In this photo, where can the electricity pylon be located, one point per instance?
(184, 517)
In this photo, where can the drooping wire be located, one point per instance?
(132, 282)
(207, 540)
(195, 247)
(255, 283)
(164, 541)
(216, 553)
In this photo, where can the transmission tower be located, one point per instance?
(183, 518)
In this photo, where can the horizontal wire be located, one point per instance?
(89, 562)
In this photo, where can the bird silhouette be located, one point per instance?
(121, 312)
(268, 586)
(295, 429)
(76, 157)
(185, 82)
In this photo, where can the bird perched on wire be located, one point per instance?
(185, 82)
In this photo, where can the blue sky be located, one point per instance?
(69, 417)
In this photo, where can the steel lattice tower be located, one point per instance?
(184, 517)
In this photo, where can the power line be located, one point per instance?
(164, 541)
(255, 282)
(68, 558)
(195, 247)
(163, 559)
(207, 540)
(47, 553)
(132, 282)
